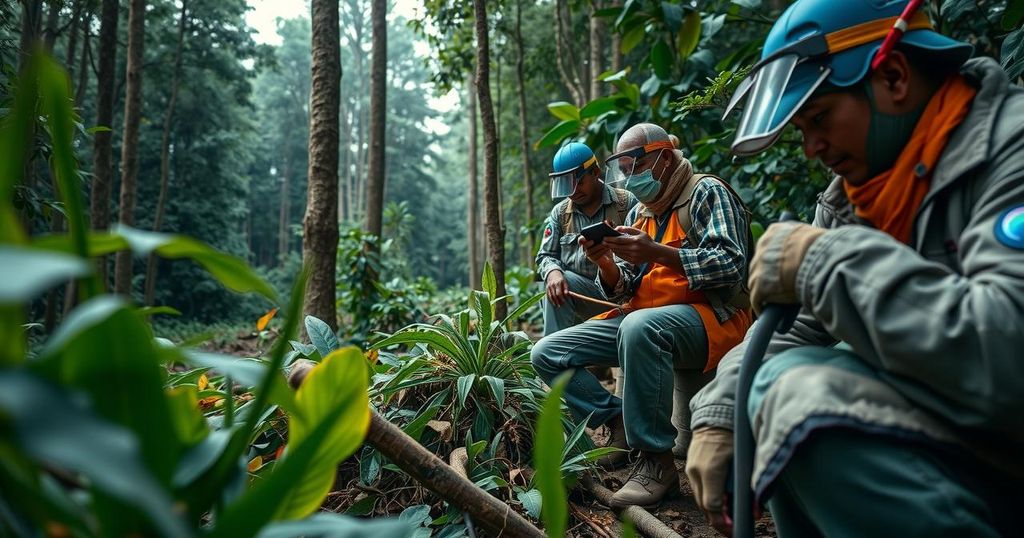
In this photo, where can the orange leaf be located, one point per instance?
(203, 382)
(372, 355)
(255, 464)
(262, 322)
(278, 452)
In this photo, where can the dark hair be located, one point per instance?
(932, 65)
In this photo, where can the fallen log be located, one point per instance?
(644, 522)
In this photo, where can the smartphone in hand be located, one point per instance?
(597, 232)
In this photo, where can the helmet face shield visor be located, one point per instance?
(633, 161)
(564, 184)
(776, 92)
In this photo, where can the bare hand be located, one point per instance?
(598, 253)
(633, 245)
(557, 288)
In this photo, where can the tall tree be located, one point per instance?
(52, 21)
(130, 144)
(524, 144)
(472, 205)
(492, 205)
(596, 49)
(102, 149)
(320, 226)
(566, 57)
(378, 111)
(165, 151)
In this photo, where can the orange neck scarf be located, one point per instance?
(891, 199)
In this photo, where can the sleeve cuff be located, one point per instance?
(716, 416)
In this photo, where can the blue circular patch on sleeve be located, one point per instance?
(1010, 228)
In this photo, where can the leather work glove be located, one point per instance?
(707, 467)
(778, 256)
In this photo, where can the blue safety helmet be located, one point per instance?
(571, 162)
(819, 41)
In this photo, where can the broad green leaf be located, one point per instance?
(98, 129)
(27, 272)
(339, 381)
(564, 111)
(15, 139)
(661, 59)
(522, 308)
(465, 385)
(189, 423)
(673, 14)
(498, 389)
(557, 133)
(689, 34)
(416, 516)
(229, 270)
(157, 310)
(632, 39)
(327, 524)
(600, 106)
(321, 336)
(201, 457)
(749, 4)
(415, 427)
(56, 103)
(105, 349)
(61, 431)
(531, 500)
(488, 282)
(547, 455)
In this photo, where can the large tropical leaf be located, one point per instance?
(60, 430)
(547, 460)
(27, 272)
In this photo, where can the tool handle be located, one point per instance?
(774, 318)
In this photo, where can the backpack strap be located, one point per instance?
(738, 294)
(566, 217)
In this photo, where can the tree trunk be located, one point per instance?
(284, 213)
(165, 153)
(378, 110)
(473, 217)
(102, 153)
(565, 58)
(320, 226)
(52, 20)
(343, 157)
(524, 143)
(130, 146)
(69, 58)
(31, 18)
(492, 205)
(83, 62)
(596, 49)
(616, 48)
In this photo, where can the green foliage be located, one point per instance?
(549, 444)
(133, 449)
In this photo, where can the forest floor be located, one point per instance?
(680, 513)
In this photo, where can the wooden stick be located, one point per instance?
(595, 301)
(487, 511)
(646, 524)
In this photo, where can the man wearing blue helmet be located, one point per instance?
(893, 407)
(585, 200)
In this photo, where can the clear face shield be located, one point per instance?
(633, 161)
(775, 90)
(563, 184)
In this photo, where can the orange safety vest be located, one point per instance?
(663, 286)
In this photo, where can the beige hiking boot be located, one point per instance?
(617, 439)
(654, 477)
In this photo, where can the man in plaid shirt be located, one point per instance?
(679, 273)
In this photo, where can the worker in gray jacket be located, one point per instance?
(895, 405)
(561, 263)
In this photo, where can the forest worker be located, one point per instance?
(682, 266)
(894, 407)
(561, 262)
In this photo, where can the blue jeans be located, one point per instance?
(573, 310)
(648, 345)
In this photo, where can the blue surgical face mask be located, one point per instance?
(643, 186)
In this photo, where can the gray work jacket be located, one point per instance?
(940, 322)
